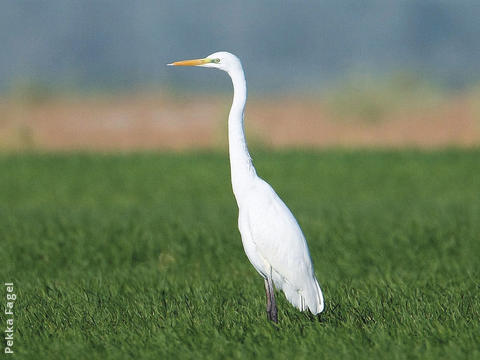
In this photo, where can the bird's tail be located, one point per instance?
(310, 298)
(318, 305)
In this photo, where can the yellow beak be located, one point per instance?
(194, 62)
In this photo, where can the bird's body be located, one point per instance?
(276, 247)
(271, 237)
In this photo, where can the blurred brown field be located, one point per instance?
(156, 120)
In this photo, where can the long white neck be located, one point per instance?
(242, 170)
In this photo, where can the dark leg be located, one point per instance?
(272, 314)
(269, 303)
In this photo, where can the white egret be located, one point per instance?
(272, 238)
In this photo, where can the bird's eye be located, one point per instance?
(216, 61)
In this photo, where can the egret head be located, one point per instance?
(220, 60)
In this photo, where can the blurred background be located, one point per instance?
(92, 75)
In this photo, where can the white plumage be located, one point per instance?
(274, 243)
(272, 238)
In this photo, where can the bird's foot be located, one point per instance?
(272, 314)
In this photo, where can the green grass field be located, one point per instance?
(139, 256)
